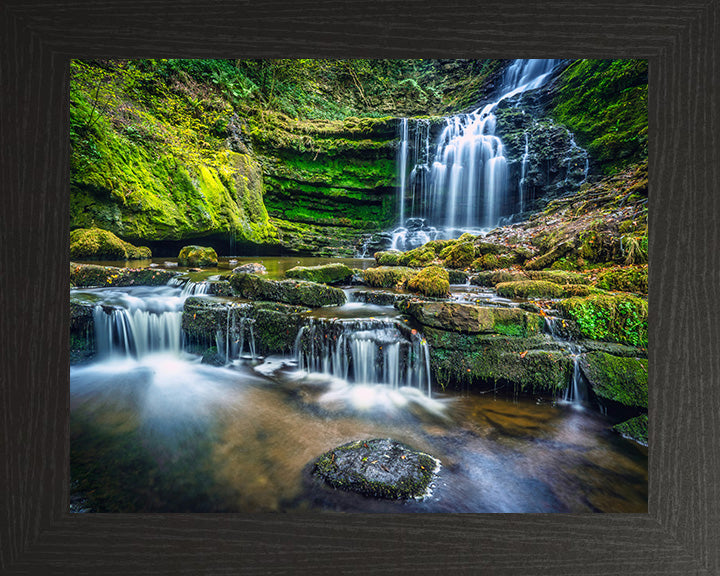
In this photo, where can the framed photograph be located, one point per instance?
(364, 281)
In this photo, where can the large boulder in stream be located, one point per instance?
(324, 274)
(90, 275)
(98, 244)
(297, 292)
(382, 468)
(197, 256)
(616, 379)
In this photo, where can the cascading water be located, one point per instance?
(365, 352)
(465, 186)
(575, 393)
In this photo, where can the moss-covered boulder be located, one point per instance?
(618, 379)
(197, 256)
(97, 244)
(621, 318)
(457, 276)
(460, 255)
(570, 290)
(627, 279)
(472, 319)
(324, 274)
(482, 247)
(388, 258)
(90, 275)
(297, 292)
(635, 429)
(487, 262)
(388, 276)
(250, 268)
(381, 468)
(431, 281)
(82, 331)
(418, 257)
(529, 289)
(545, 260)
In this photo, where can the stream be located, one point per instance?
(155, 430)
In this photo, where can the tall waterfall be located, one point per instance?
(465, 184)
(365, 352)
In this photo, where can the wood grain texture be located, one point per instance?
(680, 535)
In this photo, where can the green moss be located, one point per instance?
(631, 279)
(612, 317)
(636, 429)
(570, 290)
(605, 103)
(86, 275)
(193, 256)
(561, 277)
(97, 244)
(529, 289)
(388, 258)
(324, 274)
(418, 257)
(620, 379)
(547, 259)
(431, 281)
(459, 255)
(489, 279)
(388, 277)
(297, 292)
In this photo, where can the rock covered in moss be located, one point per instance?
(472, 319)
(388, 276)
(194, 256)
(562, 277)
(87, 275)
(324, 274)
(418, 257)
(97, 244)
(212, 357)
(381, 468)
(627, 279)
(619, 379)
(460, 255)
(621, 318)
(489, 279)
(635, 429)
(545, 260)
(529, 289)
(432, 281)
(457, 276)
(388, 258)
(297, 292)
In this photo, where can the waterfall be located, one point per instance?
(576, 391)
(238, 332)
(523, 172)
(465, 185)
(365, 352)
(136, 332)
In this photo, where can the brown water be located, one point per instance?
(168, 434)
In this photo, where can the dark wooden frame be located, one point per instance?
(681, 533)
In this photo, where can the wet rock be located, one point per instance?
(617, 379)
(87, 275)
(324, 274)
(250, 268)
(219, 288)
(472, 319)
(379, 297)
(82, 331)
(197, 256)
(635, 429)
(297, 292)
(382, 468)
(212, 358)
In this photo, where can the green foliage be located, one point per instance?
(431, 281)
(605, 103)
(612, 317)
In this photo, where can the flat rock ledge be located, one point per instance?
(382, 468)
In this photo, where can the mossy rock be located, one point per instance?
(460, 255)
(297, 292)
(388, 258)
(380, 468)
(545, 260)
(324, 274)
(388, 276)
(197, 256)
(533, 364)
(529, 289)
(621, 318)
(628, 279)
(97, 244)
(619, 379)
(457, 276)
(562, 277)
(570, 290)
(482, 248)
(91, 275)
(431, 281)
(521, 254)
(488, 262)
(472, 319)
(418, 257)
(635, 429)
(490, 279)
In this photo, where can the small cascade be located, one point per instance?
(239, 332)
(522, 185)
(575, 393)
(402, 167)
(365, 352)
(136, 332)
